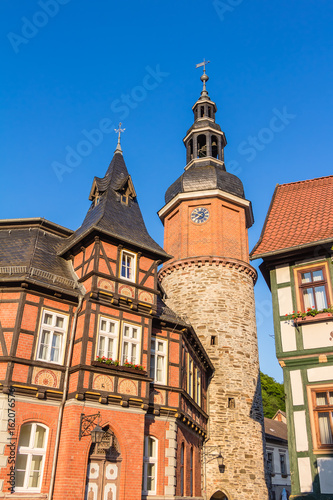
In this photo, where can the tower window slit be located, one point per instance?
(202, 148)
(213, 340)
(214, 146)
(202, 111)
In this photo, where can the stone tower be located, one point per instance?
(210, 283)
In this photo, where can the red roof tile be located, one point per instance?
(300, 213)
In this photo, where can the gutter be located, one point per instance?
(63, 401)
(291, 249)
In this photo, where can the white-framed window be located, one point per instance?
(30, 457)
(107, 338)
(149, 466)
(52, 336)
(127, 265)
(131, 344)
(158, 360)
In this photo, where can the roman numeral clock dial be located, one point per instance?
(199, 215)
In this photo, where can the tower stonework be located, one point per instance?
(209, 282)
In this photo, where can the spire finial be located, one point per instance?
(204, 78)
(119, 130)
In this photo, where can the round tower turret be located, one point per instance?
(209, 282)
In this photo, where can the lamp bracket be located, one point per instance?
(211, 453)
(87, 423)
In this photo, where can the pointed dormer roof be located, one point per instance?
(115, 211)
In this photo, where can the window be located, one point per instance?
(270, 462)
(322, 401)
(127, 269)
(283, 466)
(182, 470)
(149, 466)
(313, 288)
(107, 338)
(131, 344)
(198, 387)
(52, 337)
(191, 472)
(190, 377)
(158, 360)
(30, 457)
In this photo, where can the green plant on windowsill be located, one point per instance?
(116, 362)
(311, 311)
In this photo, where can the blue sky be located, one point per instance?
(70, 67)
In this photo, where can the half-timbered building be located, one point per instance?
(86, 340)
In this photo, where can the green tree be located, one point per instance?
(273, 398)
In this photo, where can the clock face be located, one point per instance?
(199, 215)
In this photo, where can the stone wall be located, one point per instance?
(216, 297)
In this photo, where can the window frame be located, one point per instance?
(190, 376)
(310, 268)
(52, 329)
(270, 463)
(154, 354)
(314, 411)
(191, 472)
(114, 336)
(198, 386)
(146, 461)
(132, 266)
(182, 469)
(283, 464)
(30, 451)
(131, 341)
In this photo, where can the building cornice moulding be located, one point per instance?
(208, 193)
(239, 265)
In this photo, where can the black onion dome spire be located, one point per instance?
(205, 143)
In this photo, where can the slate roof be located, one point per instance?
(275, 430)
(164, 313)
(300, 214)
(28, 249)
(110, 216)
(205, 177)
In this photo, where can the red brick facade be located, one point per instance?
(131, 406)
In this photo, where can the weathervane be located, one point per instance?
(204, 78)
(119, 130)
(204, 62)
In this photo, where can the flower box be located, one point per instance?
(324, 316)
(119, 368)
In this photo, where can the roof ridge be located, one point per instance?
(306, 180)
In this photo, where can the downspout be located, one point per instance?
(64, 398)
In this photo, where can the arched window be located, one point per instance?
(30, 457)
(215, 153)
(191, 472)
(202, 148)
(182, 470)
(149, 466)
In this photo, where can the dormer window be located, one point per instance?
(124, 199)
(97, 200)
(128, 265)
